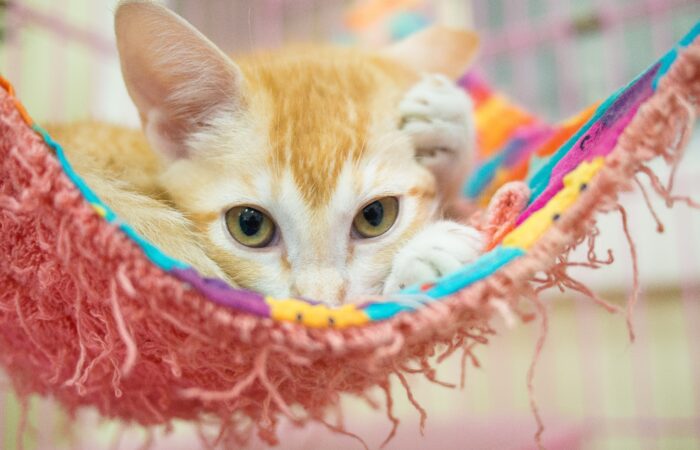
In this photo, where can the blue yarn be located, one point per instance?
(671, 55)
(152, 252)
(386, 310)
(484, 266)
(691, 35)
(483, 176)
(478, 270)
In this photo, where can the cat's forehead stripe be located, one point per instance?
(319, 116)
(314, 133)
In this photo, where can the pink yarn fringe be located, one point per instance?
(544, 328)
(634, 296)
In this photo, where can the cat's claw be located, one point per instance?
(438, 250)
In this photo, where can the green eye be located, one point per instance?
(249, 226)
(375, 218)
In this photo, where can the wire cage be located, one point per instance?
(554, 56)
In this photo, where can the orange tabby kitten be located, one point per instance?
(313, 171)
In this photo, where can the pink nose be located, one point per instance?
(326, 285)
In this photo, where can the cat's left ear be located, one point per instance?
(178, 79)
(437, 49)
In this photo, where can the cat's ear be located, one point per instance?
(436, 49)
(177, 78)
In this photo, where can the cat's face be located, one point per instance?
(292, 165)
(314, 189)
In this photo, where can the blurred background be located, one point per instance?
(594, 389)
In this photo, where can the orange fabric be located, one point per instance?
(7, 86)
(20, 108)
(497, 119)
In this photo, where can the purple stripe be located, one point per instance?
(221, 293)
(533, 137)
(599, 140)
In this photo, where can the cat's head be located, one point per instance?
(291, 163)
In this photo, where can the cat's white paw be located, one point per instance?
(437, 250)
(438, 115)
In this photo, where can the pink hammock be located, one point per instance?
(93, 315)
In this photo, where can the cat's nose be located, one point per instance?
(322, 284)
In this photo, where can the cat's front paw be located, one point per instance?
(439, 249)
(438, 115)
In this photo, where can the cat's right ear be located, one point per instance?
(436, 49)
(178, 79)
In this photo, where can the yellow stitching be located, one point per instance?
(534, 226)
(316, 316)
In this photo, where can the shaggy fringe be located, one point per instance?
(89, 320)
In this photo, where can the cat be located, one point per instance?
(311, 171)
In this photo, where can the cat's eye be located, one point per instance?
(376, 217)
(249, 226)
